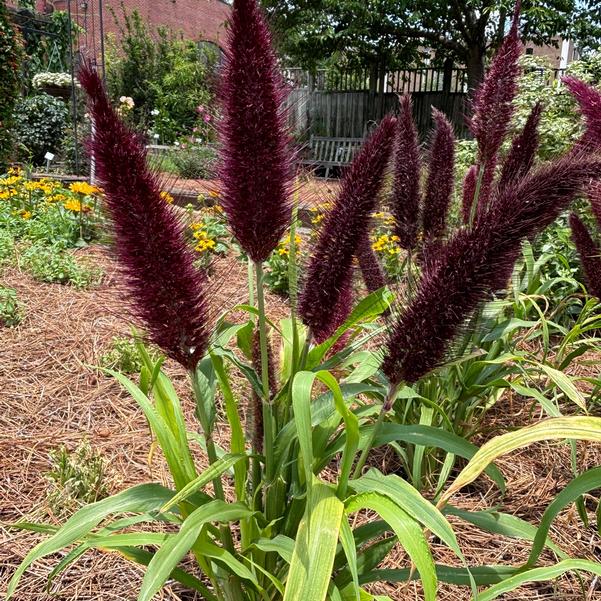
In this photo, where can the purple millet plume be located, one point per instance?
(476, 263)
(344, 227)
(371, 270)
(493, 105)
(594, 195)
(469, 190)
(521, 156)
(342, 309)
(255, 158)
(165, 289)
(589, 102)
(440, 178)
(589, 253)
(404, 201)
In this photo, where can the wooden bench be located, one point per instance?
(331, 152)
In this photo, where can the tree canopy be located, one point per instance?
(395, 33)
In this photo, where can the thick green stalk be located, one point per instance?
(293, 284)
(476, 194)
(268, 434)
(251, 284)
(226, 535)
(386, 407)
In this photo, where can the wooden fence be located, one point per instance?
(353, 114)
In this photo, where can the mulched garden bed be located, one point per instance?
(51, 394)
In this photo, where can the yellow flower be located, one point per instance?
(83, 188)
(56, 198)
(77, 206)
(283, 251)
(167, 197)
(15, 171)
(11, 181)
(25, 214)
(4, 195)
(196, 226)
(317, 219)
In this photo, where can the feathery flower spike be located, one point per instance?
(493, 105)
(440, 178)
(594, 195)
(256, 162)
(521, 156)
(343, 229)
(371, 270)
(476, 263)
(342, 309)
(589, 253)
(404, 201)
(589, 102)
(166, 290)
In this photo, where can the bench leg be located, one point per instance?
(327, 173)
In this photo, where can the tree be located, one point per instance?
(393, 31)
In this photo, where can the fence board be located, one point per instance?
(353, 114)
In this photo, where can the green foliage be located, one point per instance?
(278, 266)
(194, 163)
(7, 247)
(45, 212)
(391, 34)
(46, 43)
(54, 265)
(11, 55)
(76, 478)
(122, 356)
(11, 309)
(167, 77)
(40, 123)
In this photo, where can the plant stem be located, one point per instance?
(226, 535)
(476, 194)
(386, 406)
(251, 284)
(268, 435)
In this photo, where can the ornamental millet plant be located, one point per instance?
(272, 517)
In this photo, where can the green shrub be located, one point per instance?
(195, 163)
(55, 265)
(10, 58)
(40, 123)
(76, 478)
(167, 77)
(11, 309)
(122, 356)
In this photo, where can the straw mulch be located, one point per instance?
(52, 395)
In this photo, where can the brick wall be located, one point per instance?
(196, 19)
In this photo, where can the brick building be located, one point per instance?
(559, 54)
(199, 20)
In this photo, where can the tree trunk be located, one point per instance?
(475, 67)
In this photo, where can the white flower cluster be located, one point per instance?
(46, 78)
(127, 103)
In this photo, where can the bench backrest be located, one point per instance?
(334, 150)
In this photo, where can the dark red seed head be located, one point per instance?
(256, 161)
(166, 291)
